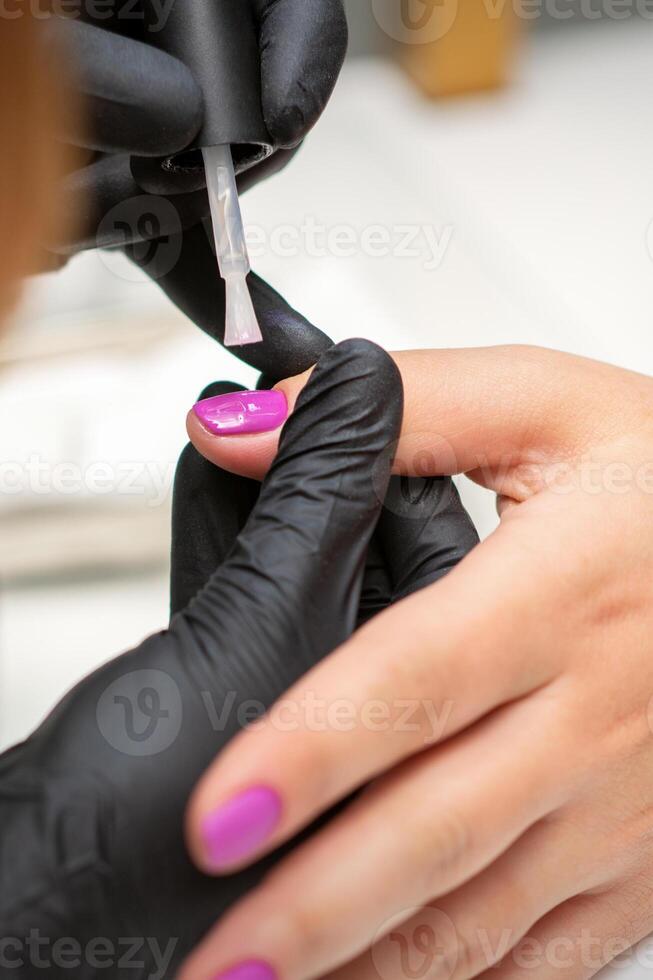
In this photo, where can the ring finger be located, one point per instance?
(475, 927)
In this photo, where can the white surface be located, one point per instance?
(52, 637)
(546, 188)
(543, 197)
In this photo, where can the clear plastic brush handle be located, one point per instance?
(241, 325)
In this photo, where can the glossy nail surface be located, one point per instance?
(239, 827)
(248, 970)
(242, 412)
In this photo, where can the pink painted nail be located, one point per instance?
(238, 828)
(242, 412)
(248, 970)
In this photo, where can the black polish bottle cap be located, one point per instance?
(218, 40)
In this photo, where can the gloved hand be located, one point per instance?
(95, 872)
(140, 102)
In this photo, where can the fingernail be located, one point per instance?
(248, 970)
(242, 412)
(238, 828)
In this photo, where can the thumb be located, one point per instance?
(497, 413)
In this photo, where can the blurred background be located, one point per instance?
(482, 176)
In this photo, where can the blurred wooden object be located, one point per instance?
(468, 45)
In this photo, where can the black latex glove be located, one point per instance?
(140, 102)
(91, 806)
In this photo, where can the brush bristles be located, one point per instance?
(241, 325)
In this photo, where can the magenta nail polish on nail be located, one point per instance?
(240, 827)
(242, 412)
(248, 970)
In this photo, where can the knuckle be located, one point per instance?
(291, 927)
(473, 955)
(449, 842)
(306, 938)
(469, 958)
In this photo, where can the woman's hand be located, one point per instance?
(500, 719)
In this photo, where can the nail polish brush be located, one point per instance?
(218, 41)
(241, 325)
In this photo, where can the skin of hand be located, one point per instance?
(513, 837)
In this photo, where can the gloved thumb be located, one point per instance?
(288, 593)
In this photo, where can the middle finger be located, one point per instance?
(322, 906)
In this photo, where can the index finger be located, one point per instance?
(303, 46)
(137, 99)
(364, 709)
(484, 411)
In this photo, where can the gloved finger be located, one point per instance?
(290, 343)
(288, 593)
(211, 506)
(112, 211)
(376, 592)
(209, 510)
(136, 98)
(303, 46)
(424, 532)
